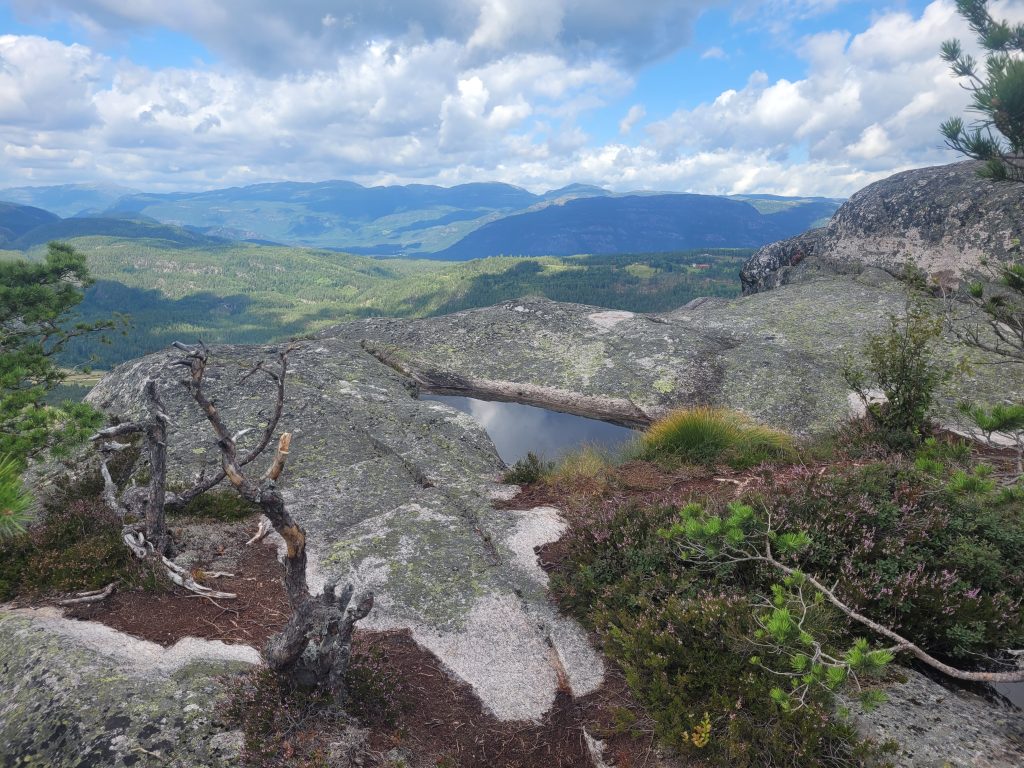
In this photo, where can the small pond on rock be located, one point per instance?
(516, 429)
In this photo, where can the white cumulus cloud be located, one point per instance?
(450, 91)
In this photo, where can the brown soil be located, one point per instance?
(442, 721)
(260, 610)
(439, 718)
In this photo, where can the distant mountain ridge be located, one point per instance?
(605, 225)
(24, 226)
(17, 220)
(423, 220)
(68, 199)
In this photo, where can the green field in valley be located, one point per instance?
(248, 293)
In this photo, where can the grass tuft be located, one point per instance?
(712, 436)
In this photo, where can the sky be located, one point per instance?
(794, 97)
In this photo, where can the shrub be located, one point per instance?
(529, 469)
(713, 435)
(682, 639)
(931, 549)
(226, 506)
(76, 545)
(687, 659)
(901, 363)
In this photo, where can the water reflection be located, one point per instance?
(517, 429)
(1012, 691)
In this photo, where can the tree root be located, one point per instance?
(183, 578)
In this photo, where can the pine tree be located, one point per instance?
(997, 94)
(36, 301)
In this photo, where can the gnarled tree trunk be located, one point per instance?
(314, 648)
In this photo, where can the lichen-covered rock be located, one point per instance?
(940, 727)
(944, 220)
(777, 356)
(85, 696)
(395, 494)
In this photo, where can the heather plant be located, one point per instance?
(75, 544)
(685, 641)
(75, 547)
(928, 547)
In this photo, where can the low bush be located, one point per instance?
(76, 545)
(529, 469)
(902, 364)
(225, 506)
(929, 546)
(75, 548)
(712, 436)
(682, 638)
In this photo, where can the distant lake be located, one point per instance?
(517, 429)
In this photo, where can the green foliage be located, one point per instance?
(1000, 301)
(1004, 417)
(997, 94)
(76, 546)
(35, 305)
(712, 436)
(901, 363)
(587, 465)
(529, 469)
(933, 549)
(928, 545)
(684, 641)
(795, 635)
(14, 499)
(225, 506)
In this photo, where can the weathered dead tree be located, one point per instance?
(148, 535)
(314, 648)
(151, 534)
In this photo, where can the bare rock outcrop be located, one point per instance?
(944, 220)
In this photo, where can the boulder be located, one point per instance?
(941, 726)
(777, 356)
(396, 495)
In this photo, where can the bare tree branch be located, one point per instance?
(94, 596)
(315, 646)
(180, 500)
